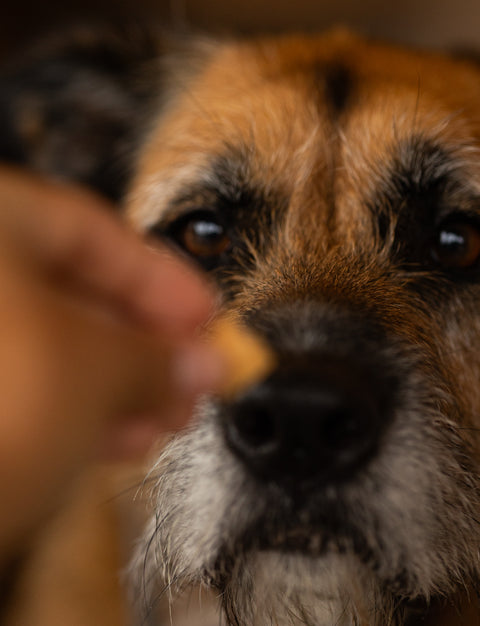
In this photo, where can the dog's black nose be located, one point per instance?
(307, 423)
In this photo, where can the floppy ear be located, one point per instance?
(74, 106)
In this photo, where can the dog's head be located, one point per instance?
(332, 188)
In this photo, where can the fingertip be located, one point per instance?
(134, 437)
(198, 368)
(177, 296)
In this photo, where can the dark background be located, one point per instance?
(438, 23)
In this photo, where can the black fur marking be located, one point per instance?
(411, 188)
(339, 85)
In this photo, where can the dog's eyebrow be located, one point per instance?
(226, 183)
(220, 184)
(417, 174)
(419, 163)
(230, 177)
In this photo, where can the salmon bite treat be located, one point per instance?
(248, 359)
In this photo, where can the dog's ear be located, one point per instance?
(74, 106)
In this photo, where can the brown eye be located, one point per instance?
(457, 245)
(202, 235)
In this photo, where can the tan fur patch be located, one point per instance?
(334, 165)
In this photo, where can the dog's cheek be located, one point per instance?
(425, 488)
(460, 358)
(200, 499)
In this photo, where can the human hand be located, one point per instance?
(99, 336)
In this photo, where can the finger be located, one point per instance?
(73, 233)
(68, 371)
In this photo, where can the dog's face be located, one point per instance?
(332, 187)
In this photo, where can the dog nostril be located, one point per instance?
(254, 428)
(341, 426)
(298, 426)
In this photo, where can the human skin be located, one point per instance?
(101, 349)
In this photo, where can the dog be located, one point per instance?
(330, 185)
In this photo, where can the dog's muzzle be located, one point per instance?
(319, 417)
(308, 421)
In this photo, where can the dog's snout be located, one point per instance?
(307, 423)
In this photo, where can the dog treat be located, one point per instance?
(248, 358)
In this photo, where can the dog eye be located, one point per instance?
(457, 245)
(201, 234)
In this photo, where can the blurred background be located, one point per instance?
(431, 23)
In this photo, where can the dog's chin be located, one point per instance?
(303, 576)
(287, 586)
(287, 538)
(321, 572)
(284, 586)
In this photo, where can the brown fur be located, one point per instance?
(347, 142)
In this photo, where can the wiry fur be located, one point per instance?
(325, 270)
(402, 504)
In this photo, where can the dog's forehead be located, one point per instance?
(317, 120)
